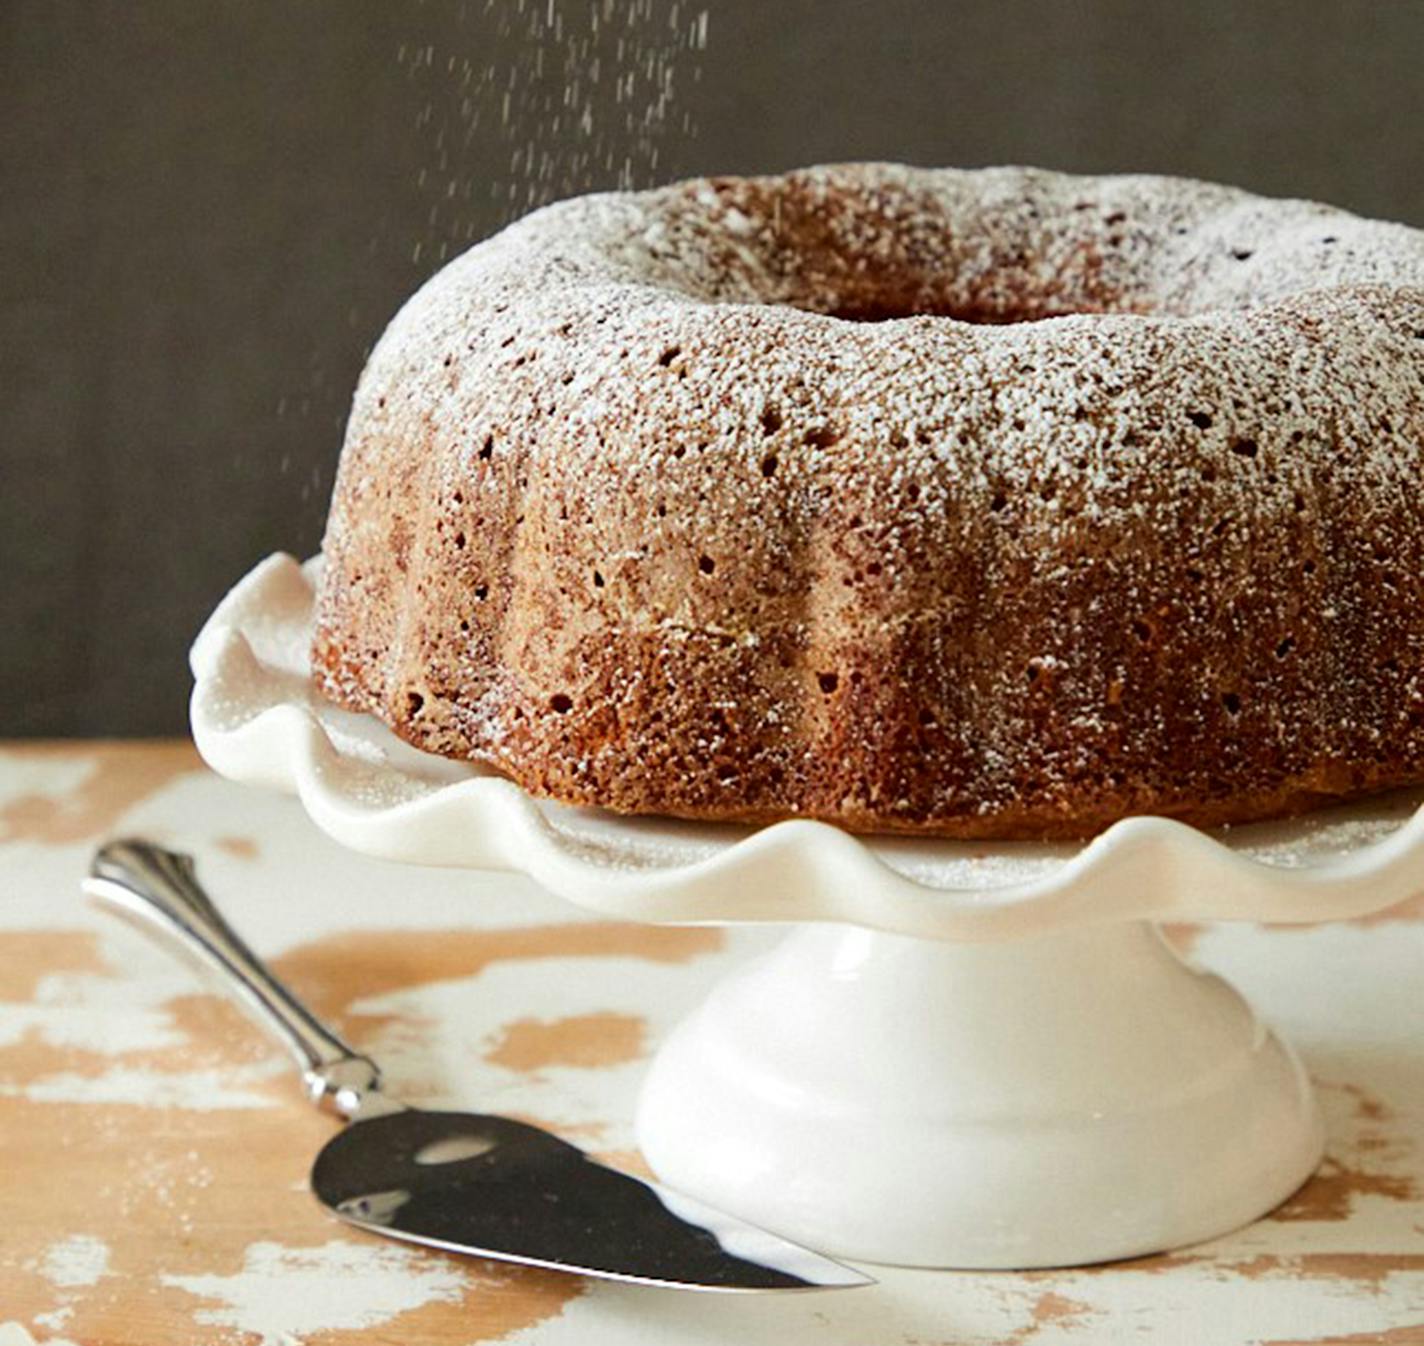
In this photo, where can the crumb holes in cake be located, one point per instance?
(1033, 672)
(706, 564)
(458, 498)
(487, 448)
(1242, 254)
(414, 703)
(770, 421)
(449, 360)
(1232, 702)
(1142, 631)
(898, 440)
(822, 437)
(464, 626)
(381, 401)
(874, 568)
(1196, 576)
(1329, 238)
(459, 542)
(661, 510)
(913, 490)
(927, 718)
(597, 580)
(1200, 419)
(828, 682)
(560, 703)
(1284, 648)
(481, 592)
(999, 502)
(669, 355)
(1117, 217)
(1244, 448)
(1019, 424)
(769, 465)
(1308, 568)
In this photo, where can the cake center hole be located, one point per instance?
(880, 310)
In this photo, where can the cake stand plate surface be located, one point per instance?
(966, 1054)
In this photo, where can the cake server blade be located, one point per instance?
(490, 1185)
(459, 1181)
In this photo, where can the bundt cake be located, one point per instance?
(996, 503)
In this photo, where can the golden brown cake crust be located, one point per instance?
(638, 506)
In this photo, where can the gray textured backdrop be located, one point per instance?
(208, 211)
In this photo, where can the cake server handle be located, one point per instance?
(158, 891)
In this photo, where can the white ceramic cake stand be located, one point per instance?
(964, 1055)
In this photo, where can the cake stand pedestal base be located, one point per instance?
(1042, 1101)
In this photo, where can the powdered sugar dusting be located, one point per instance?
(589, 97)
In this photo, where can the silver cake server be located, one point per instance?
(461, 1181)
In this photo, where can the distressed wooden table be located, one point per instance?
(153, 1148)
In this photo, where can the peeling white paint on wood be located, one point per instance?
(282, 1294)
